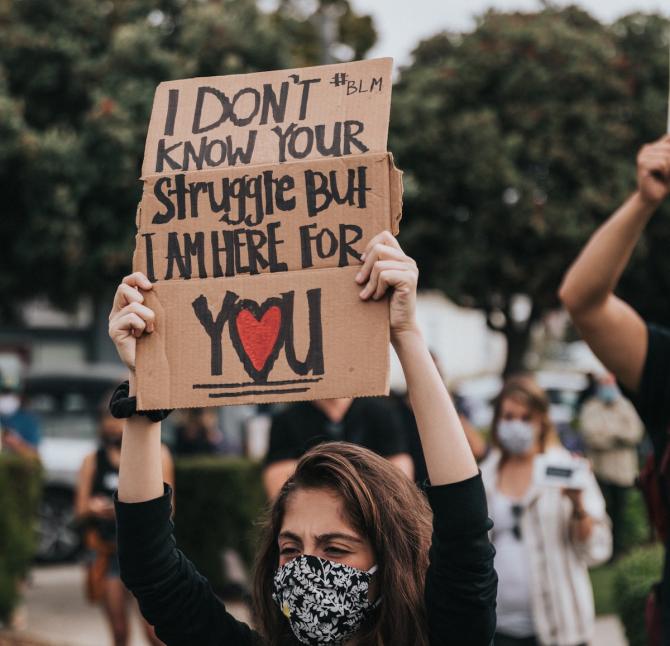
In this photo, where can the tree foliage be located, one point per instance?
(518, 139)
(77, 79)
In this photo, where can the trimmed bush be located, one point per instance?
(20, 488)
(635, 530)
(633, 578)
(218, 501)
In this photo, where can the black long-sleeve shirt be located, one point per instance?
(460, 588)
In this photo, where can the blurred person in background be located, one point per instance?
(20, 435)
(637, 352)
(98, 481)
(406, 418)
(545, 537)
(199, 432)
(587, 392)
(373, 423)
(20, 429)
(612, 430)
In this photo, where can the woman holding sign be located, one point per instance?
(344, 558)
(549, 527)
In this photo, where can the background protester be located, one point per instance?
(368, 422)
(20, 429)
(406, 418)
(198, 433)
(98, 481)
(545, 537)
(612, 430)
(638, 353)
(344, 526)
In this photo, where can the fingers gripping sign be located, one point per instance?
(129, 318)
(386, 266)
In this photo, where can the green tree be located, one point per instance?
(518, 139)
(77, 79)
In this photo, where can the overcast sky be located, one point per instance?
(401, 24)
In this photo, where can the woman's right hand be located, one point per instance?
(129, 318)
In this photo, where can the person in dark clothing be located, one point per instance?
(348, 555)
(98, 481)
(369, 422)
(637, 353)
(198, 434)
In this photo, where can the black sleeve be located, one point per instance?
(461, 584)
(652, 400)
(282, 440)
(173, 596)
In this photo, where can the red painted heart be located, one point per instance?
(258, 337)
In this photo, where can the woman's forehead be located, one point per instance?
(315, 512)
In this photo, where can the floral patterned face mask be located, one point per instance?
(325, 602)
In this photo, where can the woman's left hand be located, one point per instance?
(386, 266)
(577, 499)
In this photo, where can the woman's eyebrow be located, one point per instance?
(324, 538)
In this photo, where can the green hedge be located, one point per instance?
(218, 501)
(20, 488)
(633, 578)
(635, 530)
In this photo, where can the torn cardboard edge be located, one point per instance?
(308, 349)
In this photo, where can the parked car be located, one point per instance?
(67, 404)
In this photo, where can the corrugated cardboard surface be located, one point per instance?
(253, 256)
(315, 96)
(355, 343)
(278, 238)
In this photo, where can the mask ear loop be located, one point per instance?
(371, 572)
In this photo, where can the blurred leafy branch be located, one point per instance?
(77, 79)
(517, 140)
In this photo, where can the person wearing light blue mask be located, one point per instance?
(534, 560)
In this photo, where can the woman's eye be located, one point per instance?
(288, 551)
(336, 551)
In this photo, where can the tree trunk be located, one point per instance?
(518, 339)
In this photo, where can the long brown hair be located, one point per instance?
(385, 507)
(524, 389)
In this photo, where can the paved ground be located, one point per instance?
(58, 615)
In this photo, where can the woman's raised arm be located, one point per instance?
(445, 446)
(141, 470)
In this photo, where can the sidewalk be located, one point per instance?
(58, 615)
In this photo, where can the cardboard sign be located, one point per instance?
(253, 256)
(272, 117)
